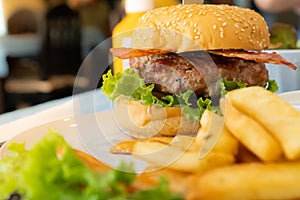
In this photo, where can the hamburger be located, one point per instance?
(180, 57)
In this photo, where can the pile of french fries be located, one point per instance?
(252, 151)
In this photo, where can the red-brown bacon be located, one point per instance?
(260, 57)
(126, 53)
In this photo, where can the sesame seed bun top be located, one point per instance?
(196, 26)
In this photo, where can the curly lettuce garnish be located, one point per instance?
(51, 170)
(227, 86)
(129, 83)
(272, 86)
(192, 107)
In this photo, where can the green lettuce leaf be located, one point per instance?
(51, 170)
(227, 86)
(129, 83)
(272, 86)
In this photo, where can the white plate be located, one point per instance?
(95, 133)
(292, 97)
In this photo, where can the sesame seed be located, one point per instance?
(243, 30)
(224, 24)
(235, 19)
(222, 34)
(214, 26)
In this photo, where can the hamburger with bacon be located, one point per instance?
(186, 51)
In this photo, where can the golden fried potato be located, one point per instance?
(245, 156)
(247, 181)
(277, 116)
(151, 177)
(160, 155)
(251, 134)
(214, 136)
(126, 147)
(183, 142)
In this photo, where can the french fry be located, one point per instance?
(277, 116)
(251, 134)
(126, 147)
(183, 142)
(151, 177)
(245, 156)
(214, 136)
(160, 155)
(247, 181)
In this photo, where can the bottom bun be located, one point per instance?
(143, 121)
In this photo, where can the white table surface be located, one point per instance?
(15, 122)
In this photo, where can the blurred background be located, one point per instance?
(44, 42)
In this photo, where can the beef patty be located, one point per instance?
(175, 73)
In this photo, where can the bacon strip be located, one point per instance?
(260, 57)
(125, 53)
